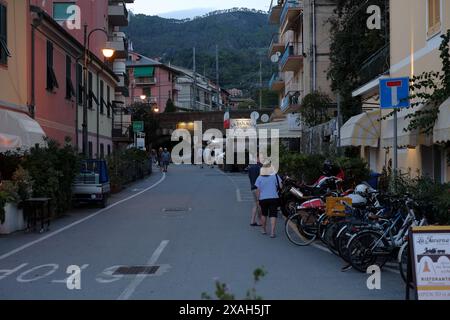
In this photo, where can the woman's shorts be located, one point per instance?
(269, 207)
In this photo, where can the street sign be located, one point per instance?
(394, 93)
(138, 126)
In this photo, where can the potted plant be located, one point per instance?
(12, 194)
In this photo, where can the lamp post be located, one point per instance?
(107, 53)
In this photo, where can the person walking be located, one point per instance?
(267, 186)
(165, 159)
(160, 152)
(253, 174)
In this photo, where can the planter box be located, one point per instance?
(14, 220)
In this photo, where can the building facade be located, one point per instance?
(300, 49)
(416, 27)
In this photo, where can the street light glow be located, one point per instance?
(108, 52)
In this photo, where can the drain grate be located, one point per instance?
(175, 210)
(136, 270)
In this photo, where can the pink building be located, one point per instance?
(58, 39)
(152, 79)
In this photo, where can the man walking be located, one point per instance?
(253, 174)
(165, 158)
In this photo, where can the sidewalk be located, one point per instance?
(12, 241)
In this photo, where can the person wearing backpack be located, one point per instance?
(268, 184)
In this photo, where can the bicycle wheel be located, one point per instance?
(329, 236)
(365, 248)
(301, 228)
(344, 236)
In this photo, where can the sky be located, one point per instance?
(188, 8)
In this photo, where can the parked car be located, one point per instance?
(92, 184)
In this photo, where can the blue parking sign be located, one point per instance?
(394, 93)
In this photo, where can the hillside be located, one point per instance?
(242, 36)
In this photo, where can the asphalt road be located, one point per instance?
(193, 224)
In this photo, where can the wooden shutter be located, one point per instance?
(434, 17)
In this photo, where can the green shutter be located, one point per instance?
(144, 72)
(60, 11)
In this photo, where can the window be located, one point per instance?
(102, 101)
(109, 150)
(147, 91)
(80, 84)
(61, 11)
(70, 91)
(108, 98)
(4, 52)
(90, 149)
(52, 83)
(434, 17)
(90, 93)
(102, 151)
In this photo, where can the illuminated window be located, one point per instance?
(434, 16)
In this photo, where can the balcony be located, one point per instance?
(275, 45)
(119, 43)
(123, 84)
(118, 14)
(121, 130)
(292, 59)
(275, 12)
(145, 81)
(277, 82)
(290, 13)
(375, 66)
(291, 102)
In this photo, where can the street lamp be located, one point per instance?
(108, 53)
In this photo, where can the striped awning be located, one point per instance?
(441, 132)
(362, 130)
(405, 138)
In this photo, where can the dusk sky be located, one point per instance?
(153, 7)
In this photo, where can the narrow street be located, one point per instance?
(194, 224)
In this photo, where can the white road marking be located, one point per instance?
(238, 195)
(50, 235)
(126, 294)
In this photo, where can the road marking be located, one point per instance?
(50, 235)
(126, 294)
(238, 195)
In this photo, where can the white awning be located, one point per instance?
(405, 138)
(19, 131)
(362, 130)
(283, 128)
(441, 132)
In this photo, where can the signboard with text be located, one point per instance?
(138, 126)
(431, 262)
(394, 93)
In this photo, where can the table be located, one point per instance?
(37, 209)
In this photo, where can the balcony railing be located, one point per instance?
(289, 4)
(293, 51)
(292, 100)
(276, 82)
(275, 45)
(145, 81)
(375, 66)
(275, 11)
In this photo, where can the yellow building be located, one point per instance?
(415, 37)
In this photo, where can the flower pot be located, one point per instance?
(14, 220)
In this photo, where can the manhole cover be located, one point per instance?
(135, 270)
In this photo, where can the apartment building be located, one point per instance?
(416, 27)
(300, 49)
(49, 40)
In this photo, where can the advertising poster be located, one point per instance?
(431, 254)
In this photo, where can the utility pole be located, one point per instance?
(217, 77)
(260, 84)
(195, 81)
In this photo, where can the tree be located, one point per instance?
(142, 112)
(170, 106)
(352, 43)
(314, 110)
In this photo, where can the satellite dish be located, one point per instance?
(265, 118)
(254, 116)
(276, 57)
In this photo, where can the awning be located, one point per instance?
(404, 138)
(144, 72)
(441, 131)
(362, 130)
(283, 127)
(19, 131)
